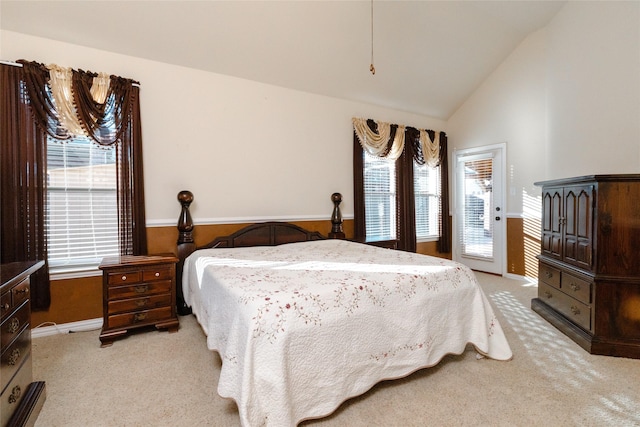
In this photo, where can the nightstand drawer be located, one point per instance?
(139, 318)
(142, 289)
(158, 274)
(124, 277)
(144, 303)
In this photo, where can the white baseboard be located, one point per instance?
(65, 328)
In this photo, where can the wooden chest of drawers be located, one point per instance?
(20, 399)
(589, 275)
(138, 291)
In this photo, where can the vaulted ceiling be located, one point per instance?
(429, 56)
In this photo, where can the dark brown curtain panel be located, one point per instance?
(23, 183)
(444, 243)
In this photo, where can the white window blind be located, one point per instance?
(82, 212)
(426, 184)
(476, 236)
(379, 198)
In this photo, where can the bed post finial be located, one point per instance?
(186, 246)
(336, 218)
(185, 223)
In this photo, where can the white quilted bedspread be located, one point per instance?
(302, 327)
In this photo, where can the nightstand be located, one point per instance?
(138, 291)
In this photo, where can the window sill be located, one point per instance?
(73, 273)
(428, 239)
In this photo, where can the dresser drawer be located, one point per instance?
(124, 277)
(13, 356)
(20, 293)
(140, 290)
(576, 287)
(571, 308)
(14, 323)
(549, 275)
(15, 391)
(5, 304)
(139, 318)
(143, 303)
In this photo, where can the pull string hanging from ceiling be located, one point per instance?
(371, 67)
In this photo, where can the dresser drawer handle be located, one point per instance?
(141, 289)
(5, 306)
(14, 356)
(139, 317)
(574, 287)
(22, 291)
(14, 325)
(124, 278)
(548, 294)
(548, 274)
(157, 274)
(142, 302)
(575, 310)
(15, 394)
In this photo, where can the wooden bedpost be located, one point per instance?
(186, 246)
(336, 218)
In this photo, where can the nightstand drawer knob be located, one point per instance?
(124, 278)
(142, 302)
(157, 274)
(139, 317)
(141, 289)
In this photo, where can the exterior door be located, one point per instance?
(479, 221)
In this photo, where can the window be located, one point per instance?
(426, 185)
(81, 211)
(380, 198)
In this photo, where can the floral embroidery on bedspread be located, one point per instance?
(293, 286)
(406, 348)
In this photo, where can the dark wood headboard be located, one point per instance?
(270, 233)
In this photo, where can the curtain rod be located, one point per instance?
(17, 64)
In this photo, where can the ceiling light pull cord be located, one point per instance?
(371, 67)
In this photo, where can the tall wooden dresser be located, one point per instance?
(22, 398)
(589, 265)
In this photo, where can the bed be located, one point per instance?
(303, 323)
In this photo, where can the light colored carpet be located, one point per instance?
(162, 379)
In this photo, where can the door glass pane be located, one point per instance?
(477, 227)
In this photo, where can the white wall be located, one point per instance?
(566, 101)
(246, 150)
(594, 89)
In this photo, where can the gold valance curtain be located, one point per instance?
(404, 145)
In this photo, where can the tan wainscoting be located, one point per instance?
(72, 300)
